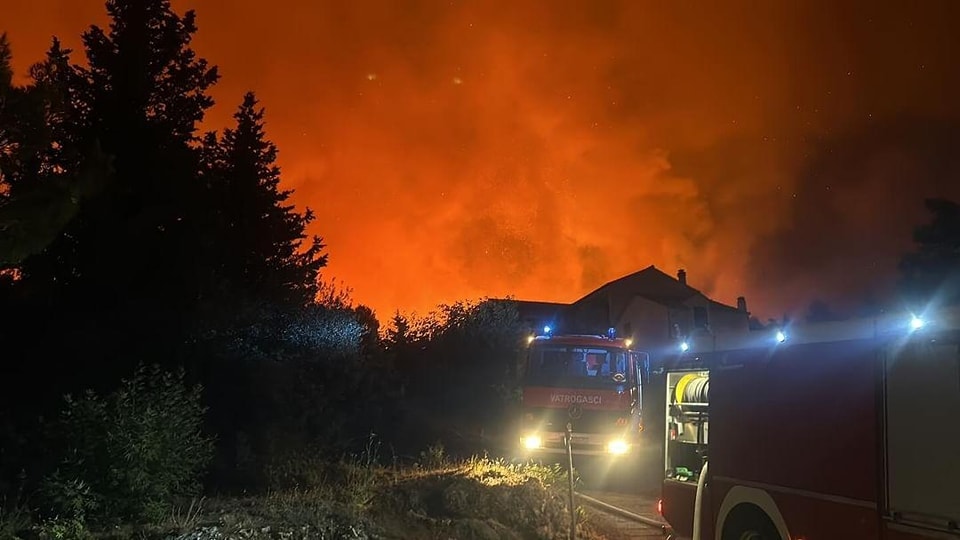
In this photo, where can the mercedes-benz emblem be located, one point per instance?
(575, 411)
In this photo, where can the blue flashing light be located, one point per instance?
(684, 346)
(611, 332)
(547, 329)
(781, 336)
(916, 323)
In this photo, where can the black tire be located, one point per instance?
(749, 522)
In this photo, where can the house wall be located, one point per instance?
(718, 318)
(656, 325)
(646, 321)
(725, 320)
(590, 315)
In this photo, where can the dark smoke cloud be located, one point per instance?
(852, 214)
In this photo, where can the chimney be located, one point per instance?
(682, 276)
(742, 304)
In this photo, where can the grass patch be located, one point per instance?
(356, 497)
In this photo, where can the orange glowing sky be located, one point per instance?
(460, 149)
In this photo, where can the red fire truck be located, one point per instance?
(592, 382)
(846, 430)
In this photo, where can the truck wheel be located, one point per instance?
(747, 522)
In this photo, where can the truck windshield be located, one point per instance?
(579, 367)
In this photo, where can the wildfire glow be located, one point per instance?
(591, 139)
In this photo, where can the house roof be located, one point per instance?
(534, 305)
(714, 305)
(650, 283)
(534, 309)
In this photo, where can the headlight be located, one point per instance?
(532, 442)
(618, 446)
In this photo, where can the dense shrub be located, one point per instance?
(129, 455)
(460, 368)
(282, 382)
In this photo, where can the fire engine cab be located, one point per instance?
(843, 430)
(593, 383)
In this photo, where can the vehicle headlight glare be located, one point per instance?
(532, 442)
(618, 446)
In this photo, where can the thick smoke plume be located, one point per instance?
(539, 149)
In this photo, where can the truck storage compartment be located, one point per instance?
(922, 396)
(688, 423)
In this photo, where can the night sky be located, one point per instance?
(452, 150)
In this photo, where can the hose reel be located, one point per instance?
(692, 388)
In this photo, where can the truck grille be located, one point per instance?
(547, 419)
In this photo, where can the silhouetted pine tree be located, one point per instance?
(39, 196)
(260, 318)
(118, 286)
(262, 252)
(15, 123)
(45, 110)
(40, 160)
(152, 266)
(54, 85)
(399, 334)
(6, 68)
(141, 96)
